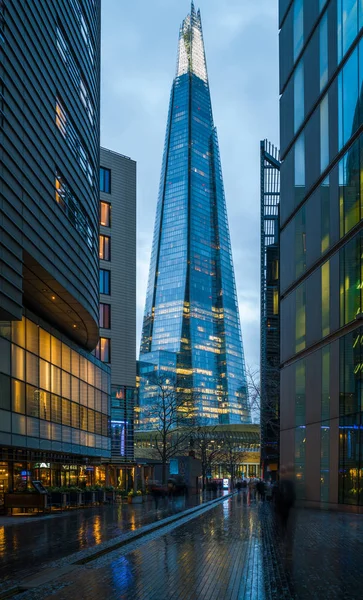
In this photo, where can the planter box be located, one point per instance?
(89, 497)
(111, 497)
(76, 498)
(59, 499)
(23, 500)
(135, 499)
(101, 496)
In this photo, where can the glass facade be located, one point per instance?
(53, 396)
(321, 231)
(122, 423)
(191, 305)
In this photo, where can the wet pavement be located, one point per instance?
(29, 545)
(230, 552)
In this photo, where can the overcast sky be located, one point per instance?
(139, 46)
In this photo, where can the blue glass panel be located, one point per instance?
(298, 27)
(299, 104)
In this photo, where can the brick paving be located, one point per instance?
(39, 541)
(229, 552)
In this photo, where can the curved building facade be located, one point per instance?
(54, 394)
(49, 83)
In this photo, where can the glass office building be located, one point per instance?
(191, 307)
(321, 76)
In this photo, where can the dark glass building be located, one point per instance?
(321, 76)
(54, 395)
(270, 313)
(191, 324)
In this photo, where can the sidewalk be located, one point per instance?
(28, 544)
(230, 552)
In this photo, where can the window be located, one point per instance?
(350, 280)
(349, 189)
(105, 214)
(325, 298)
(325, 215)
(299, 104)
(105, 247)
(72, 138)
(275, 300)
(105, 180)
(323, 40)
(298, 27)
(105, 315)
(348, 105)
(300, 242)
(84, 28)
(300, 318)
(324, 133)
(103, 350)
(105, 282)
(75, 212)
(347, 25)
(299, 151)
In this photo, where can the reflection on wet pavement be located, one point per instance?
(231, 552)
(25, 547)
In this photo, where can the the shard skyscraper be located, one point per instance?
(191, 323)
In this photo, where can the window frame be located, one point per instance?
(103, 245)
(108, 205)
(102, 272)
(106, 315)
(102, 179)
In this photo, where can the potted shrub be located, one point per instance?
(109, 494)
(135, 498)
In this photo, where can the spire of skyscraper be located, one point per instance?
(191, 53)
(191, 322)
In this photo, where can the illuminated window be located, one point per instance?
(105, 282)
(325, 298)
(275, 300)
(105, 180)
(103, 350)
(105, 214)
(105, 247)
(105, 316)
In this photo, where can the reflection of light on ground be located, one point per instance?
(2, 541)
(97, 529)
(122, 573)
(226, 509)
(81, 535)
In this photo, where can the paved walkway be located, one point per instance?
(230, 552)
(33, 543)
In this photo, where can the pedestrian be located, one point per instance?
(260, 487)
(284, 498)
(244, 490)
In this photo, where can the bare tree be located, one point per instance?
(172, 414)
(267, 407)
(207, 447)
(231, 454)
